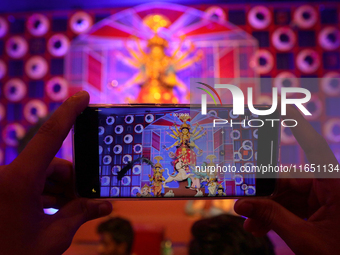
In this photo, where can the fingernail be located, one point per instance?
(105, 209)
(244, 208)
(79, 93)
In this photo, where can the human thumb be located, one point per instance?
(79, 211)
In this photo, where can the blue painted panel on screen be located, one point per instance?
(239, 191)
(106, 170)
(105, 191)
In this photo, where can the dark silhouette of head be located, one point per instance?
(116, 237)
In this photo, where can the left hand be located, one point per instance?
(34, 180)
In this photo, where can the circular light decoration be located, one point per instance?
(35, 110)
(308, 61)
(15, 90)
(259, 17)
(135, 191)
(126, 159)
(212, 113)
(117, 149)
(108, 139)
(329, 38)
(16, 47)
(119, 129)
(255, 133)
(137, 148)
(3, 69)
(149, 118)
(246, 150)
(330, 84)
(58, 45)
(80, 22)
(235, 134)
(128, 139)
(3, 27)
(248, 164)
(116, 170)
(137, 169)
(238, 179)
(262, 61)
(107, 159)
(244, 186)
(114, 192)
(305, 16)
(215, 13)
(112, 84)
(231, 114)
(36, 67)
(331, 130)
(129, 119)
(287, 135)
(250, 191)
(283, 38)
(101, 130)
(12, 133)
(253, 116)
(314, 106)
(247, 144)
(246, 124)
(2, 112)
(126, 180)
(237, 156)
(57, 88)
(100, 149)
(110, 120)
(38, 24)
(139, 128)
(105, 181)
(285, 80)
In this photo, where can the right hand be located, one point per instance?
(304, 212)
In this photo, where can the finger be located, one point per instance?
(52, 187)
(317, 152)
(60, 170)
(257, 228)
(39, 152)
(313, 144)
(293, 194)
(54, 201)
(270, 215)
(70, 217)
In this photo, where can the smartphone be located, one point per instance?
(173, 151)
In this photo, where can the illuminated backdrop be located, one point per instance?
(294, 40)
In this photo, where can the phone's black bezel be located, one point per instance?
(85, 152)
(86, 155)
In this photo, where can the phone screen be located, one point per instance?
(176, 152)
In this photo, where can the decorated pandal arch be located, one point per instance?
(148, 53)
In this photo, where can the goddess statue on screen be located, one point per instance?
(185, 142)
(157, 69)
